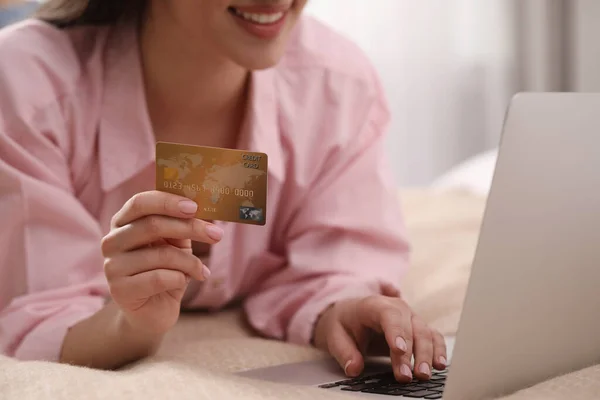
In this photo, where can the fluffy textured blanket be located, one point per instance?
(199, 355)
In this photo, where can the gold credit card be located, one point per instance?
(228, 185)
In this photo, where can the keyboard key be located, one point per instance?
(364, 378)
(412, 387)
(361, 379)
(386, 391)
(421, 394)
(328, 385)
(431, 385)
(360, 387)
(434, 396)
(384, 377)
(399, 392)
(346, 382)
(372, 380)
(398, 386)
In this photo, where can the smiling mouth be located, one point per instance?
(257, 18)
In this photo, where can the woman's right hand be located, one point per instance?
(149, 260)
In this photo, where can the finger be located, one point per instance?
(152, 258)
(148, 284)
(183, 244)
(392, 317)
(389, 316)
(154, 202)
(440, 359)
(151, 228)
(403, 366)
(343, 348)
(399, 336)
(400, 366)
(423, 349)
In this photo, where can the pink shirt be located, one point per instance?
(76, 143)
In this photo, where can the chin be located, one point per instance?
(258, 60)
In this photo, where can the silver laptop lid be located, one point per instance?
(532, 309)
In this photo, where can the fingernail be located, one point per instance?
(188, 207)
(405, 370)
(205, 271)
(346, 366)
(188, 279)
(443, 361)
(214, 232)
(424, 369)
(401, 343)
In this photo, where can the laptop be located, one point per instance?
(531, 309)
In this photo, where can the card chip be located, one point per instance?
(170, 174)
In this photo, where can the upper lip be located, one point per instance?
(263, 9)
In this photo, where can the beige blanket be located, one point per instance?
(199, 355)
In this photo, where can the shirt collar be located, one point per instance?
(126, 141)
(263, 121)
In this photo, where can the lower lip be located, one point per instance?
(262, 31)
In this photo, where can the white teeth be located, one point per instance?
(260, 18)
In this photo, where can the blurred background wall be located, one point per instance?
(451, 66)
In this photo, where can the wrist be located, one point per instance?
(146, 342)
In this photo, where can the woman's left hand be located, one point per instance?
(380, 325)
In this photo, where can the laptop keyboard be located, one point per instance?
(386, 384)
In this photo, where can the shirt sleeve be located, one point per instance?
(347, 239)
(50, 253)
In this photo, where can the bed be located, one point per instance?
(198, 357)
(474, 174)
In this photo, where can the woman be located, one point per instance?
(90, 87)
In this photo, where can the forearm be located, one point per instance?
(107, 341)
